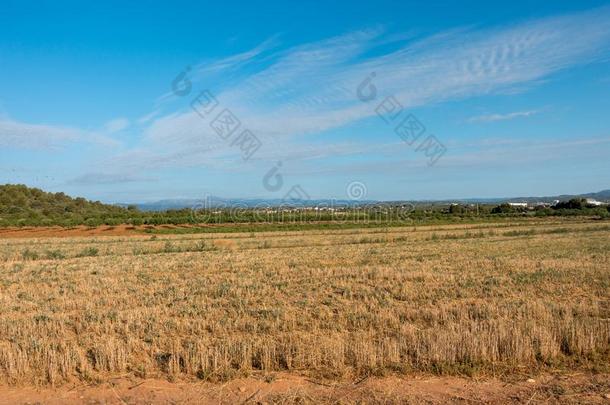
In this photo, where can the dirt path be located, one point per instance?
(58, 232)
(287, 389)
(76, 231)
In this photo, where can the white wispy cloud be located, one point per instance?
(234, 62)
(145, 119)
(311, 88)
(23, 135)
(502, 117)
(285, 95)
(208, 68)
(481, 155)
(107, 178)
(116, 125)
(35, 136)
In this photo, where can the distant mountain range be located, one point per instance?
(603, 195)
(218, 202)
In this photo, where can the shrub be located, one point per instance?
(93, 222)
(572, 204)
(29, 255)
(87, 252)
(55, 254)
(136, 221)
(503, 209)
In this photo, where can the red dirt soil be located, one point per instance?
(104, 230)
(286, 389)
(76, 231)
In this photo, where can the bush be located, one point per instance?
(136, 221)
(29, 255)
(113, 221)
(572, 204)
(87, 252)
(457, 209)
(503, 209)
(55, 255)
(93, 222)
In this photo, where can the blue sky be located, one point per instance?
(516, 95)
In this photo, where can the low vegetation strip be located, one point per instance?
(326, 304)
(50, 249)
(22, 206)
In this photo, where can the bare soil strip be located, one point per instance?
(133, 230)
(284, 388)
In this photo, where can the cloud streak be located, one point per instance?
(92, 179)
(287, 96)
(309, 89)
(116, 125)
(502, 117)
(35, 136)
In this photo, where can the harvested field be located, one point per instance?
(485, 300)
(132, 230)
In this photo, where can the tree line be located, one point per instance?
(24, 206)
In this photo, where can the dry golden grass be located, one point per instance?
(462, 299)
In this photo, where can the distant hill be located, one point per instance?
(603, 195)
(24, 206)
(20, 204)
(216, 202)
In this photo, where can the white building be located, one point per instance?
(591, 201)
(518, 204)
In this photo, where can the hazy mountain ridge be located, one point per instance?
(218, 202)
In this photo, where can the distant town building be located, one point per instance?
(594, 202)
(518, 204)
